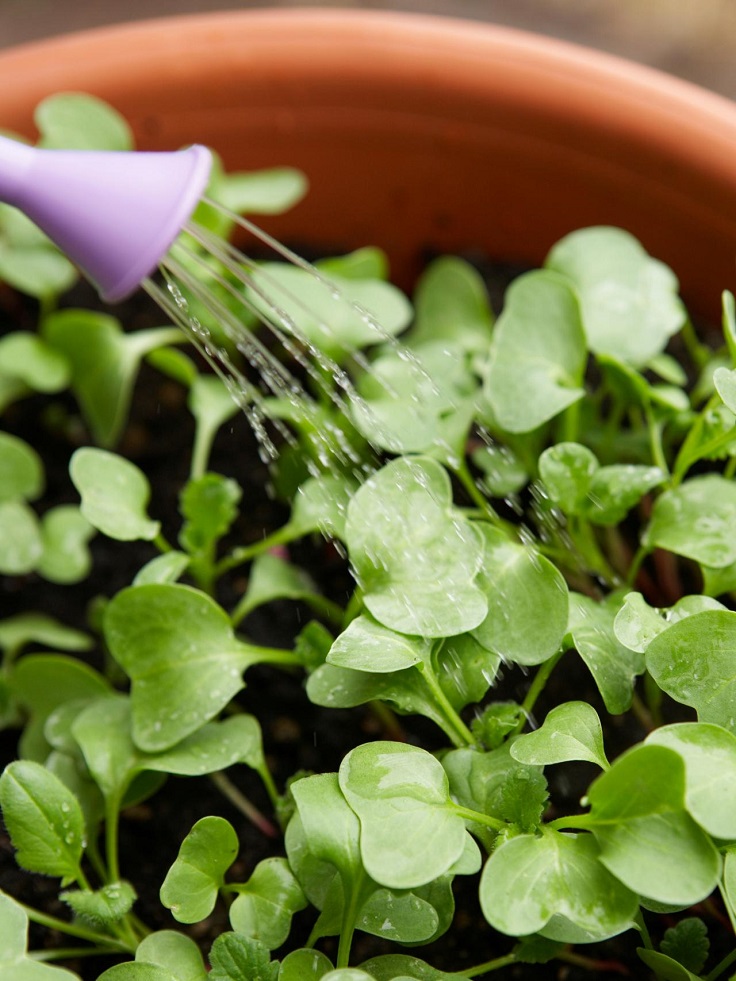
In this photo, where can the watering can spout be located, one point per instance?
(115, 215)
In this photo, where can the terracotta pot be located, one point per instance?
(421, 133)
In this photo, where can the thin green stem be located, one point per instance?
(112, 823)
(655, 427)
(535, 690)
(470, 815)
(465, 477)
(67, 953)
(639, 920)
(161, 544)
(349, 917)
(721, 966)
(239, 556)
(729, 907)
(228, 789)
(463, 735)
(268, 782)
(730, 468)
(641, 554)
(592, 964)
(495, 965)
(75, 930)
(698, 352)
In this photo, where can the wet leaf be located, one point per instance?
(538, 353)
(414, 555)
(571, 731)
(629, 302)
(114, 494)
(174, 952)
(697, 520)
(192, 883)
(266, 903)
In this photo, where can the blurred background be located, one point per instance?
(694, 39)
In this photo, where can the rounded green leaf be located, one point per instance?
(570, 732)
(694, 661)
(554, 884)
(414, 555)
(451, 304)
(646, 837)
(114, 494)
(697, 520)
(538, 353)
(175, 952)
(329, 313)
(366, 645)
(65, 533)
(527, 601)
(709, 754)
(264, 906)
(21, 546)
(29, 359)
(21, 470)
(163, 569)
(629, 301)
(181, 654)
(15, 964)
(77, 121)
(567, 470)
(304, 964)
(44, 820)
(192, 883)
(410, 831)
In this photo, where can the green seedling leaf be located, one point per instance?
(164, 568)
(137, 972)
(174, 952)
(687, 943)
(580, 486)
(114, 494)
(404, 967)
(570, 732)
(496, 722)
(107, 905)
(77, 121)
(410, 830)
(366, 645)
(65, 533)
(629, 301)
(273, 578)
(304, 964)
(538, 353)
(237, 958)
(44, 820)
(192, 883)
(104, 364)
(693, 662)
(496, 784)
(639, 819)
(451, 304)
(209, 506)
(260, 192)
(724, 380)
(21, 545)
(265, 905)
(536, 950)
(368, 262)
(408, 403)
(39, 628)
(728, 321)
(709, 755)
(179, 649)
(502, 471)
(665, 967)
(554, 884)
(567, 470)
(102, 731)
(21, 470)
(336, 315)
(415, 557)
(31, 263)
(15, 963)
(465, 669)
(613, 666)
(28, 359)
(321, 504)
(527, 601)
(697, 520)
(43, 682)
(637, 624)
(212, 405)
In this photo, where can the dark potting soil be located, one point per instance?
(298, 736)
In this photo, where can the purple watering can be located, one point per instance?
(114, 215)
